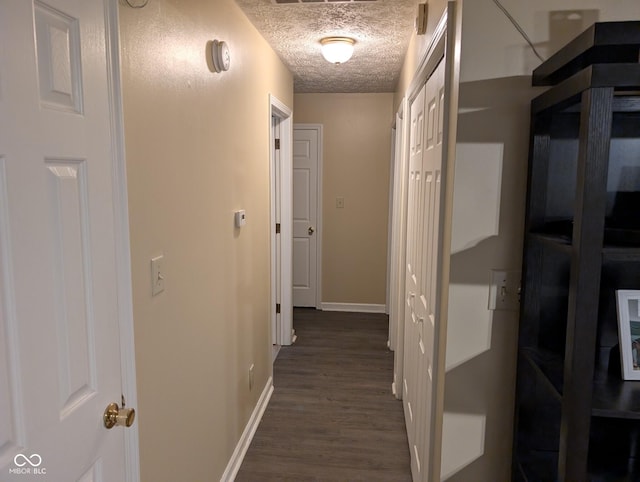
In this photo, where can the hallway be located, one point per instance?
(332, 416)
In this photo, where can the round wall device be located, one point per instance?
(220, 55)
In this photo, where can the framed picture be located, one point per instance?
(628, 303)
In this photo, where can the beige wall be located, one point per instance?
(356, 154)
(197, 149)
(417, 46)
(488, 218)
(487, 221)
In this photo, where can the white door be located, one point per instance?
(410, 392)
(423, 268)
(59, 337)
(305, 215)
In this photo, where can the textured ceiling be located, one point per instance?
(381, 29)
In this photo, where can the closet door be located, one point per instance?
(424, 234)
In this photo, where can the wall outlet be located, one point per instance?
(251, 376)
(340, 202)
(504, 291)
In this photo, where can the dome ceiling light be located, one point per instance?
(337, 50)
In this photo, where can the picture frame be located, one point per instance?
(628, 308)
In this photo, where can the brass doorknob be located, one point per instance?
(116, 416)
(311, 230)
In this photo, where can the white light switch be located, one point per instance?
(504, 291)
(157, 275)
(240, 218)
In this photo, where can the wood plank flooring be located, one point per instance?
(332, 416)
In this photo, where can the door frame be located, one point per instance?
(393, 158)
(122, 237)
(398, 229)
(319, 129)
(281, 211)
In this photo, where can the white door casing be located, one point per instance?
(281, 125)
(307, 141)
(276, 264)
(424, 234)
(65, 300)
(398, 247)
(392, 173)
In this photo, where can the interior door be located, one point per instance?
(305, 215)
(412, 284)
(423, 268)
(59, 327)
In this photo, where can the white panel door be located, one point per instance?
(424, 233)
(305, 216)
(59, 336)
(412, 285)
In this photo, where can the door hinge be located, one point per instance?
(277, 228)
(277, 308)
(277, 144)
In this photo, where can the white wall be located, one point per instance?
(488, 215)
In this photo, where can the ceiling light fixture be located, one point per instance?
(337, 50)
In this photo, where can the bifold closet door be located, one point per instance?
(422, 269)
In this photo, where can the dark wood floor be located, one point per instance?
(332, 416)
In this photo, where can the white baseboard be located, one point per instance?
(235, 462)
(354, 307)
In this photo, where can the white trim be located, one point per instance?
(320, 129)
(274, 210)
(452, 34)
(240, 451)
(393, 158)
(121, 234)
(399, 241)
(354, 307)
(280, 110)
(432, 56)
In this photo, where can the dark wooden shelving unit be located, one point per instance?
(576, 419)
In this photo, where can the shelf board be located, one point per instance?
(621, 103)
(615, 398)
(563, 244)
(555, 241)
(549, 366)
(618, 253)
(621, 77)
(603, 42)
(612, 397)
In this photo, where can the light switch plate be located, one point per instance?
(157, 275)
(504, 291)
(240, 218)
